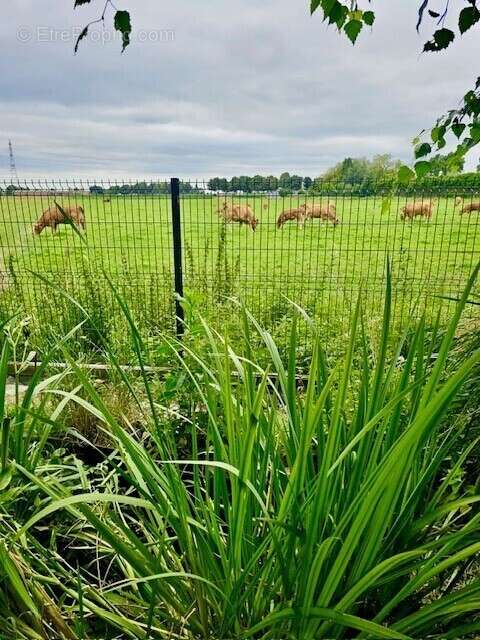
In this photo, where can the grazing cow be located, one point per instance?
(327, 211)
(56, 215)
(106, 199)
(300, 215)
(422, 209)
(467, 208)
(238, 213)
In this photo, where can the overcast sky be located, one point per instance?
(218, 87)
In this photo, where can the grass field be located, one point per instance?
(321, 267)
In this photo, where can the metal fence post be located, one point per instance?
(177, 253)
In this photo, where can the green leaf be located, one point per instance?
(123, 24)
(337, 14)
(442, 38)
(405, 174)
(441, 143)
(352, 29)
(422, 149)
(327, 6)
(11, 572)
(472, 103)
(6, 477)
(467, 18)
(81, 499)
(314, 4)
(354, 622)
(458, 129)
(80, 2)
(475, 132)
(437, 133)
(369, 18)
(82, 35)
(422, 167)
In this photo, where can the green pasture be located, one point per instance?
(320, 266)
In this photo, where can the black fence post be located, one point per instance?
(177, 253)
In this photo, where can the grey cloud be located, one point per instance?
(241, 88)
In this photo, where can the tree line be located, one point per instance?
(143, 188)
(351, 176)
(357, 176)
(262, 184)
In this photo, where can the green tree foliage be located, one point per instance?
(284, 181)
(357, 170)
(307, 183)
(363, 177)
(143, 188)
(296, 183)
(257, 184)
(447, 165)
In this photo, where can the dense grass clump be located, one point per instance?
(332, 507)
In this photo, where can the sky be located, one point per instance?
(216, 88)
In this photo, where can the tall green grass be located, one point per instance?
(327, 509)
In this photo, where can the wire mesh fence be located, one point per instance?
(319, 250)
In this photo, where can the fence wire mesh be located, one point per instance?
(319, 250)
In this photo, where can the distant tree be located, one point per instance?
(284, 181)
(296, 183)
(271, 183)
(448, 165)
(352, 170)
(383, 166)
(141, 188)
(96, 190)
(284, 193)
(185, 187)
(245, 184)
(307, 183)
(257, 183)
(212, 184)
(361, 170)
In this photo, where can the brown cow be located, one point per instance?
(238, 213)
(298, 214)
(467, 208)
(327, 211)
(422, 209)
(56, 215)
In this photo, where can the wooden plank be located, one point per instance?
(99, 371)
